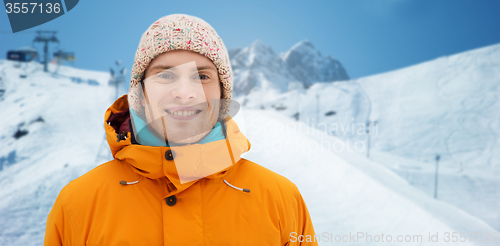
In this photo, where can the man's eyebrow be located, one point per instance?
(163, 67)
(206, 67)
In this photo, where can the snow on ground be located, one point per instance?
(447, 107)
(52, 131)
(347, 193)
(62, 118)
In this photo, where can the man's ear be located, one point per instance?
(221, 87)
(142, 99)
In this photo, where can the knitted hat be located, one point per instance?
(181, 32)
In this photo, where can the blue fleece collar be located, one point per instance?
(146, 137)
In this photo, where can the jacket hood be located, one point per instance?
(182, 166)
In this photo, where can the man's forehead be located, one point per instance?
(191, 66)
(166, 67)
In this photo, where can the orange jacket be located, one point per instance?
(160, 209)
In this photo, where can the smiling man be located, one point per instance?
(177, 177)
(180, 84)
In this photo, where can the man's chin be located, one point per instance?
(187, 138)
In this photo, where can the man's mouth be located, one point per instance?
(182, 112)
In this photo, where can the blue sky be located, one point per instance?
(366, 36)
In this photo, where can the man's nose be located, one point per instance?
(186, 90)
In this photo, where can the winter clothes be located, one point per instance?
(153, 194)
(138, 199)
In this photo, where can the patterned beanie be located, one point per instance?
(181, 32)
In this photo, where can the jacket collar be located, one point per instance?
(149, 139)
(190, 162)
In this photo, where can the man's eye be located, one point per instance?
(203, 76)
(165, 76)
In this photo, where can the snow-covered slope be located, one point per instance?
(51, 129)
(346, 192)
(447, 107)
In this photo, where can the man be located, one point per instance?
(177, 177)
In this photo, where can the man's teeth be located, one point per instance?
(182, 113)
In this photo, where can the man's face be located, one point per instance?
(181, 96)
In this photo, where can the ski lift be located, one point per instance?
(24, 54)
(61, 56)
(64, 56)
(118, 77)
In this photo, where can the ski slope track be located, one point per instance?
(347, 193)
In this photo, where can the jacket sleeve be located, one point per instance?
(302, 232)
(58, 229)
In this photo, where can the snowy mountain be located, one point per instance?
(447, 107)
(258, 67)
(309, 66)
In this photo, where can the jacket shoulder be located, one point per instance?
(249, 172)
(64, 222)
(99, 178)
(111, 171)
